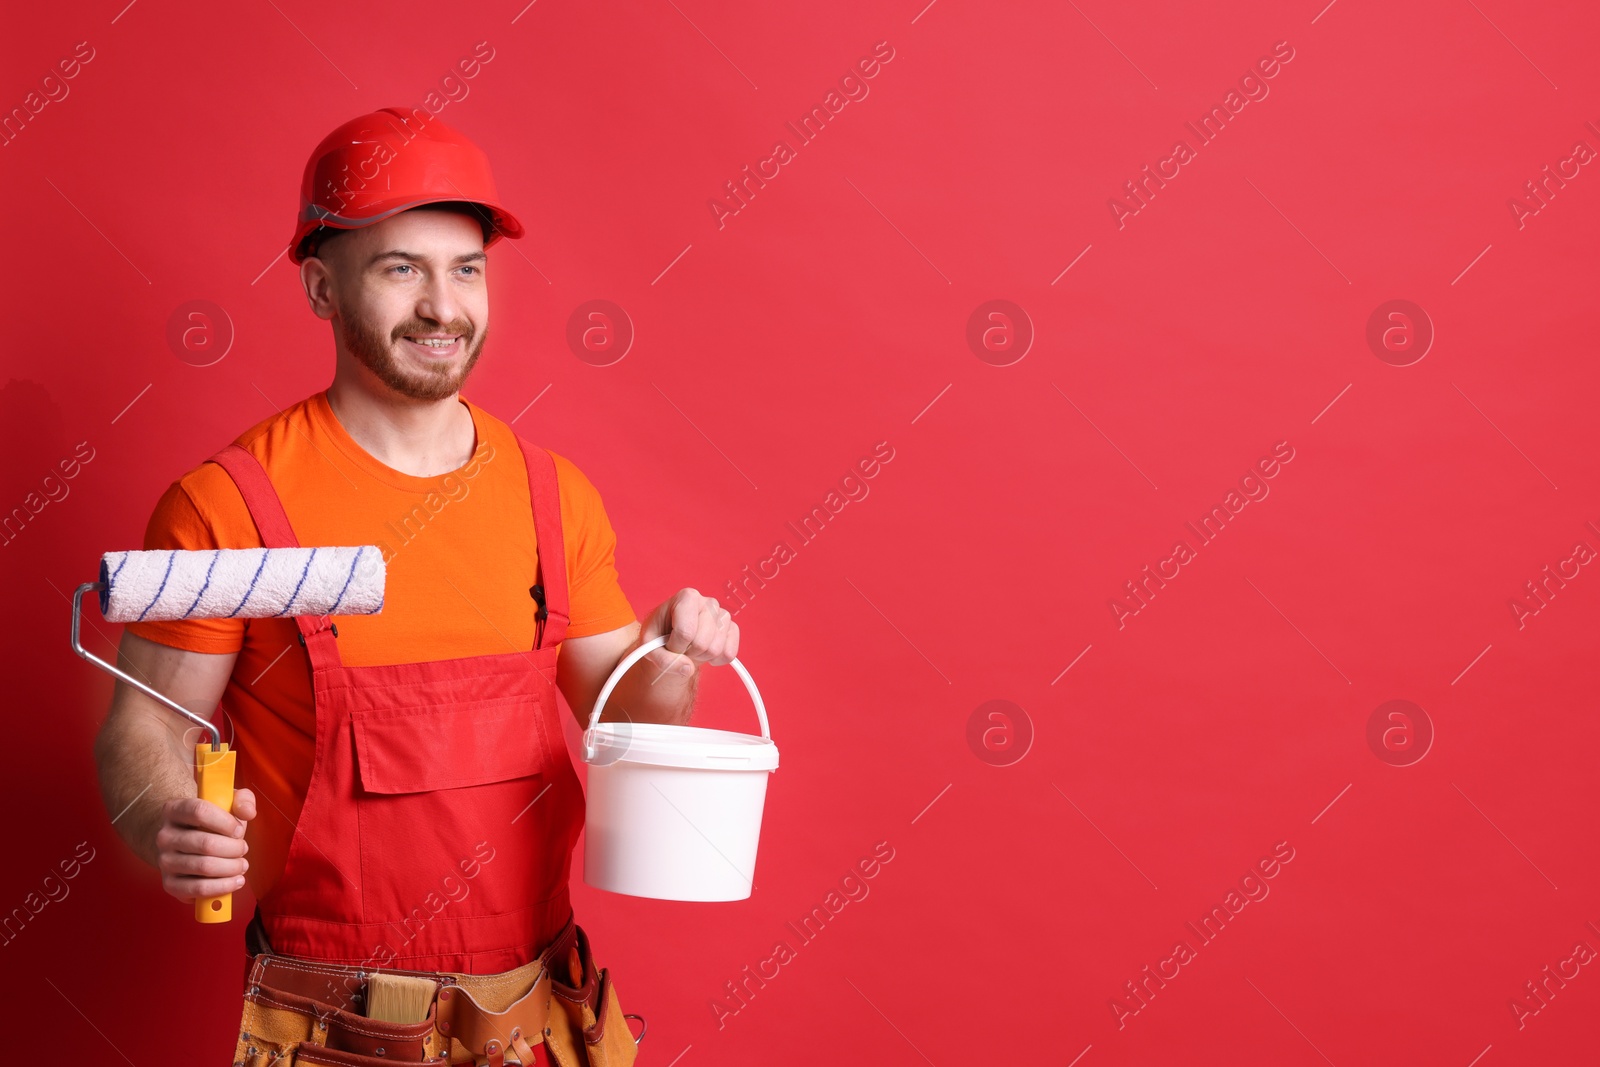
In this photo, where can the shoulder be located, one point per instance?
(578, 492)
(582, 510)
(572, 480)
(281, 435)
(202, 509)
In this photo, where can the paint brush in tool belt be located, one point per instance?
(399, 998)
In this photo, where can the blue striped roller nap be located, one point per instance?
(241, 583)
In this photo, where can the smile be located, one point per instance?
(436, 346)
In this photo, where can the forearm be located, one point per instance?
(142, 765)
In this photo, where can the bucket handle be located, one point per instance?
(589, 749)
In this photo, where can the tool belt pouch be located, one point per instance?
(281, 1028)
(475, 1032)
(303, 1012)
(586, 1025)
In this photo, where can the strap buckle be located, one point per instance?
(540, 613)
(332, 627)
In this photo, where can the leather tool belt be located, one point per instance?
(305, 1011)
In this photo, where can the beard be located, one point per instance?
(375, 350)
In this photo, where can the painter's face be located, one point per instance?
(410, 299)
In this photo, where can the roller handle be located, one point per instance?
(213, 779)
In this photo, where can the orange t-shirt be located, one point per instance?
(459, 551)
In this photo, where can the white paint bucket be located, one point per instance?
(674, 812)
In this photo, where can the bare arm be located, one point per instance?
(145, 754)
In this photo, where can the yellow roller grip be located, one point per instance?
(213, 778)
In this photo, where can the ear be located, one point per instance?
(317, 281)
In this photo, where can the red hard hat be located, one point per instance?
(387, 162)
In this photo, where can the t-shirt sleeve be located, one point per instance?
(178, 522)
(597, 603)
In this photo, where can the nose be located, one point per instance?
(437, 302)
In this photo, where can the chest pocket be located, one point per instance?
(417, 750)
(441, 787)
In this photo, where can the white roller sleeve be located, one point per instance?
(241, 583)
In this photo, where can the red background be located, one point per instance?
(830, 314)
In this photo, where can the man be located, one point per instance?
(406, 800)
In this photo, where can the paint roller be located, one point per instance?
(227, 583)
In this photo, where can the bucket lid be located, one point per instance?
(664, 745)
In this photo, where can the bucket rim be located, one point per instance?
(667, 745)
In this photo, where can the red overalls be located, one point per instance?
(442, 811)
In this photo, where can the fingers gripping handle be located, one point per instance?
(589, 745)
(213, 779)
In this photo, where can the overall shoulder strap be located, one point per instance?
(266, 509)
(547, 533)
(259, 496)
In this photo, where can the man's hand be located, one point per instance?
(146, 761)
(698, 629)
(200, 848)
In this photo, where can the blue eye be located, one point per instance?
(401, 266)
